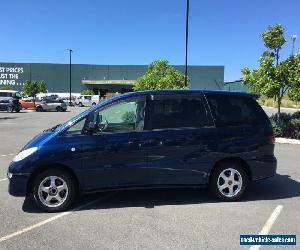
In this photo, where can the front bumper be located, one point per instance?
(17, 184)
(263, 168)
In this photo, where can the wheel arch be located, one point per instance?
(47, 167)
(238, 160)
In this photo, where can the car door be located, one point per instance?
(4, 104)
(46, 104)
(114, 154)
(181, 145)
(87, 100)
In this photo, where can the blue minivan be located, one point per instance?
(148, 139)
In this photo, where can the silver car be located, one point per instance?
(51, 105)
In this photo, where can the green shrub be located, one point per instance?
(286, 125)
(87, 92)
(296, 115)
(296, 124)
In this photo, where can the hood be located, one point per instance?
(39, 140)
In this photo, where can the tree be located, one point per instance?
(32, 88)
(294, 77)
(274, 78)
(160, 75)
(43, 87)
(87, 92)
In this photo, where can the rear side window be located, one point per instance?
(178, 113)
(234, 110)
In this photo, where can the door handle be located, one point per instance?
(135, 143)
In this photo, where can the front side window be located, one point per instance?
(125, 116)
(77, 128)
(122, 117)
(17, 95)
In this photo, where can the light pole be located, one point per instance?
(70, 75)
(186, 39)
(294, 37)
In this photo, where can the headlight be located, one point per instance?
(23, 154)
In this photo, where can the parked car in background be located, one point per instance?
(29, 103)
(51, 105)
(9, 94)
(87, 100)
(10, 105)
(9, 101)
(53, 97)
(67, 101)
(146, 139)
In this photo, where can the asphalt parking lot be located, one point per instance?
(144, 219)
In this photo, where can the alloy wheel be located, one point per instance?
(53, 191)
(230, 182)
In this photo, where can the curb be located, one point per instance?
(291, 109)
(287, 141)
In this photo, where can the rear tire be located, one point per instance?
(39, 109)
(54, 190)
(229, 181)
(93, 104)
(80, 104)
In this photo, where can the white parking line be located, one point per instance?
(27, 229)
(267, 227)
(4, 179)
(7, 155)
(7, 123)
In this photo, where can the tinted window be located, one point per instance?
(178, 113)
(6, 94)
(234, 110)
(17, 95)
(50, 101)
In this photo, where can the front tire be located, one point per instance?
(10, 109)
(229, 181)
(54, 190)
(59, 109)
